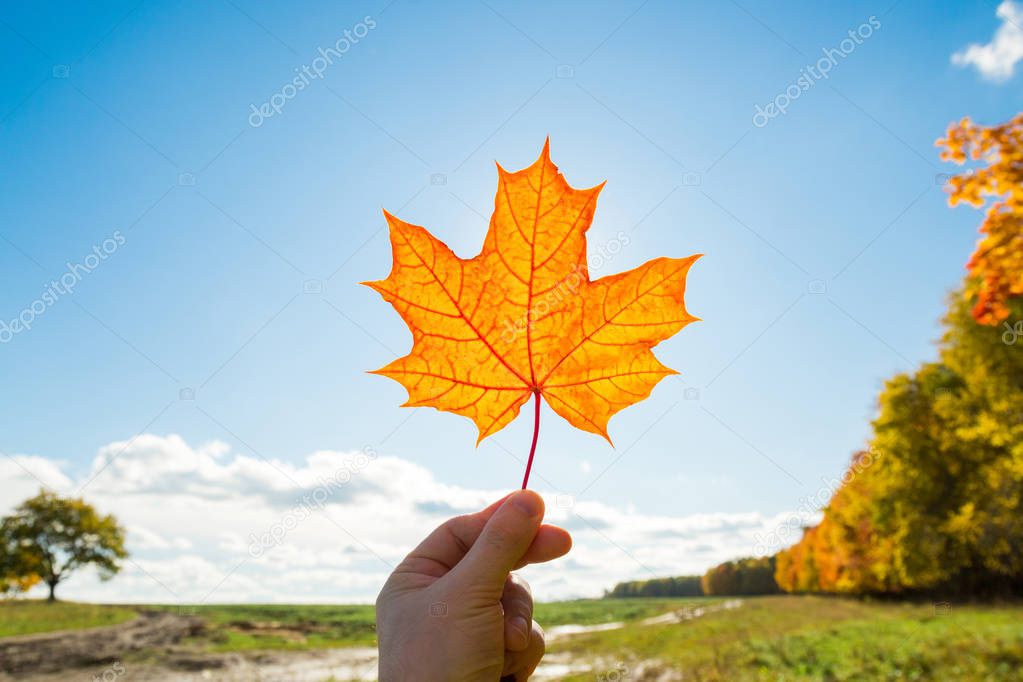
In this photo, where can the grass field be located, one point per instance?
(593, 611)
(765, 638)
(28, 617)
(816, 638)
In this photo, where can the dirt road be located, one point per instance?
(54, 651)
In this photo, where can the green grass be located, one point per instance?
(241, 627)
(814, 638)
(593, 611)
(26, 617)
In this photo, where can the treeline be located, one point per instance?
(940, 505)
(754, 575)
(682, 586)
(740, 577)
(936, 502)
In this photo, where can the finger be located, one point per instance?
(517, 601)
(501, 545)
(550, 543)
(448, 543)
(521, 664)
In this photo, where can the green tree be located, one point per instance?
(949, 492)
(988, 523)
(681, 586)
(51, 537)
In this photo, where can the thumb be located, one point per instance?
(501, 545)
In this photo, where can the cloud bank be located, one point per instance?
(206, 524)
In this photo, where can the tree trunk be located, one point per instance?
(53, 588)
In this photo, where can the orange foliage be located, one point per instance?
(827, 552)
(794, 568)
(996, 267)
(843, 553)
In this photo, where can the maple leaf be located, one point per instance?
(523, 318)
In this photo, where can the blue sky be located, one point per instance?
(829, 245)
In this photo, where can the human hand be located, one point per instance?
(453, 611)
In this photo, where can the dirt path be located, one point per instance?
(341, 665)
(54, 651)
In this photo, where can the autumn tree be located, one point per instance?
(807, 578)
(49, 538)
(948, 494)
(938, 507)
(851, 554)
(995, 175)
(784, 568)
(941, 507)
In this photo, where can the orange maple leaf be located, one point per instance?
(523, 317)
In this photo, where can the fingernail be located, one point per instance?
(527, 503)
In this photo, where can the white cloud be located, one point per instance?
(22, 476)
(997, 60)
(208, 524)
